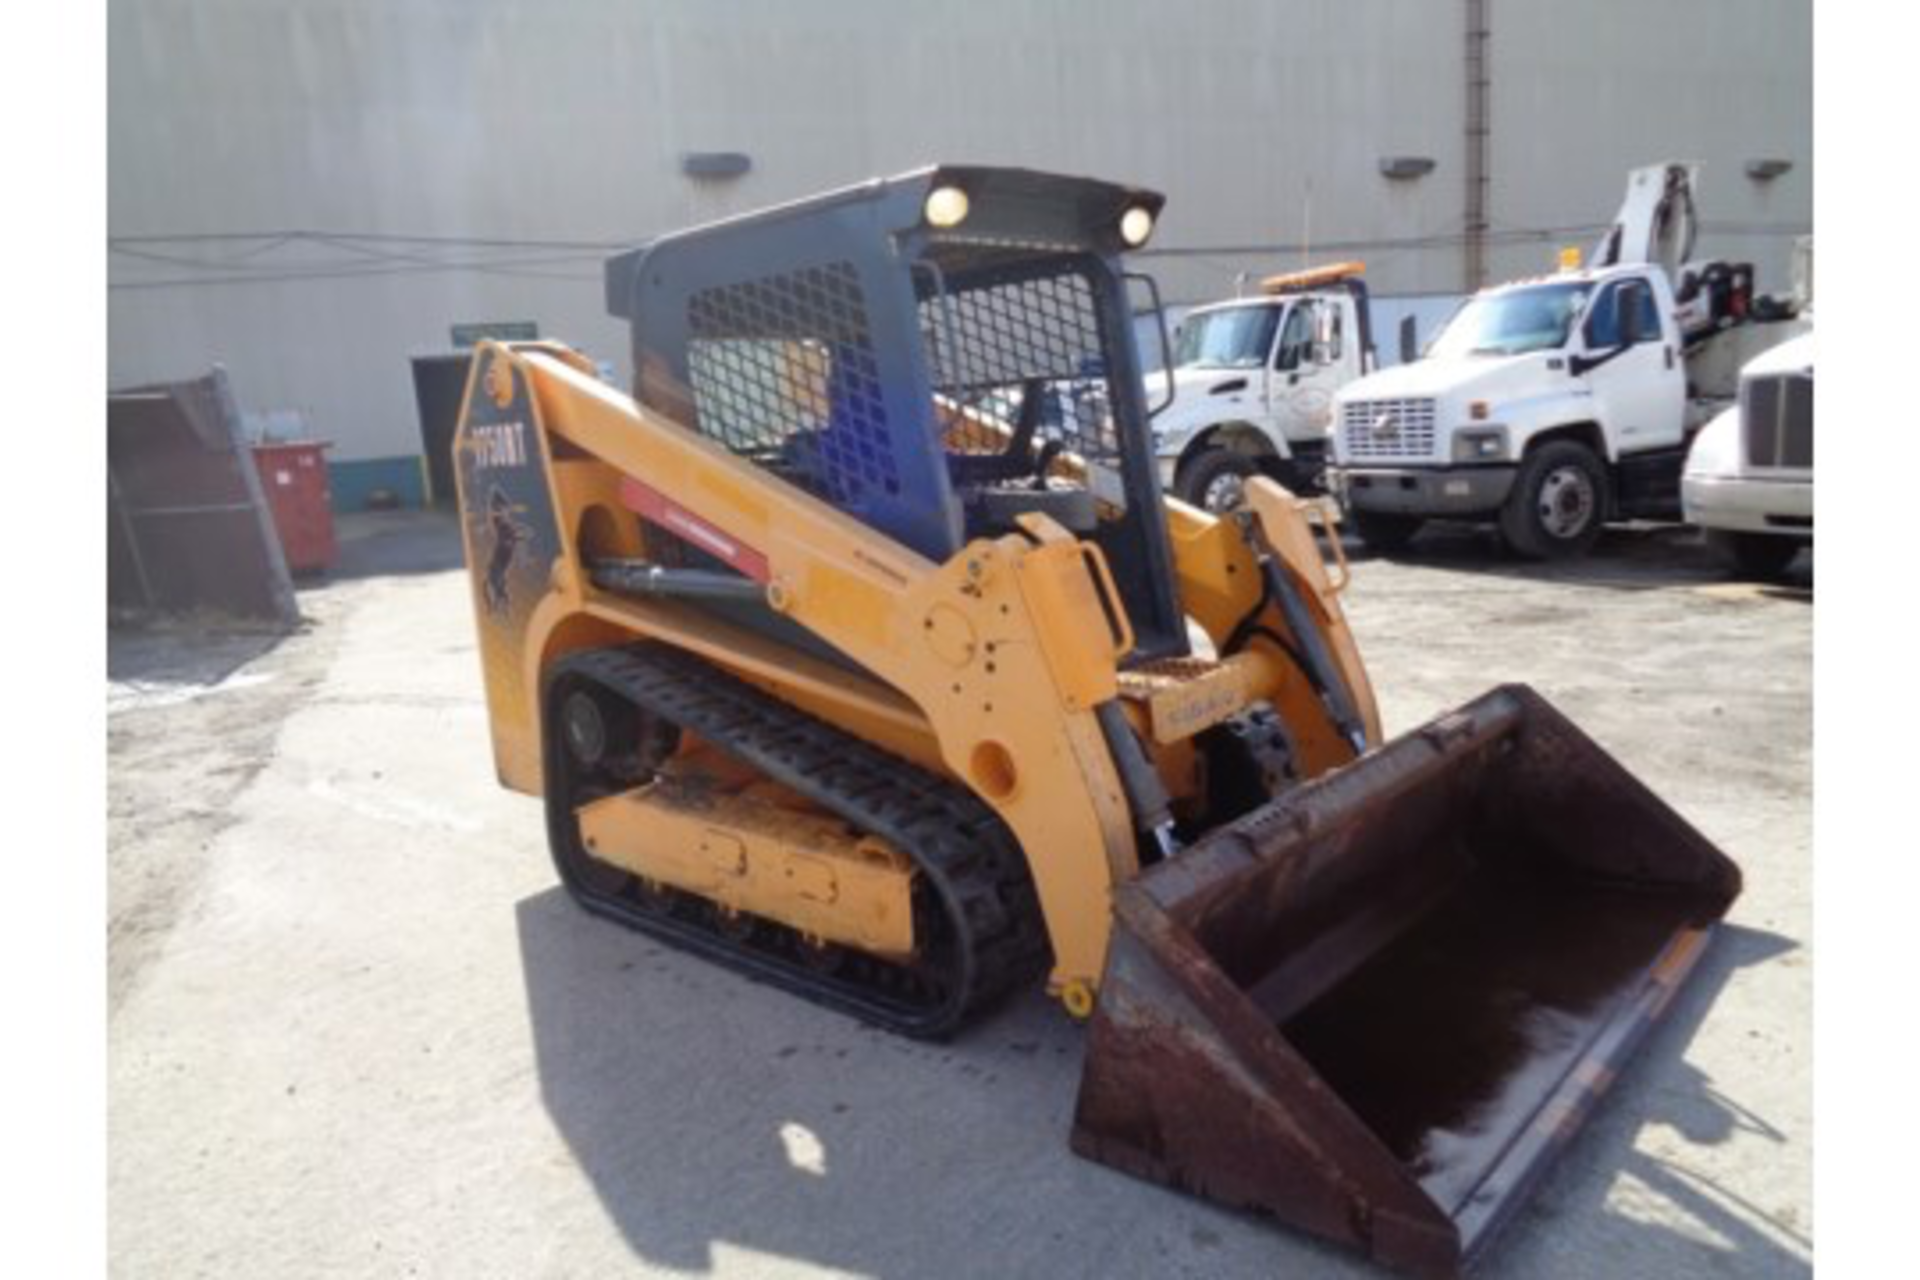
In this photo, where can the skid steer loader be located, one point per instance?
(858, 650)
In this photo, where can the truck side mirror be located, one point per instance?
(1326, 334)
(1409, 340)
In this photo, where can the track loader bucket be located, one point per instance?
(1378, 1006)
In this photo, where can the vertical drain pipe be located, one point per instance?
(1478, 125)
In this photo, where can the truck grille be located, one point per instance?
(1776, 415)
(1408, 433)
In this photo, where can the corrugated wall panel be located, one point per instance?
(524, 122)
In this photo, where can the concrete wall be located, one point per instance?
(523, 142)
(1584, 92)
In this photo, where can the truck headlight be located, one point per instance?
(1480, 444)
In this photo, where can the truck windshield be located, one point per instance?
(1236, 338)
(1512, 321)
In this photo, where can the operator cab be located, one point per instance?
(937, 354)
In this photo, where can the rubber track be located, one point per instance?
(966, 855)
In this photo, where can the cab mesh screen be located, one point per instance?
(993, 345)
(783, 372)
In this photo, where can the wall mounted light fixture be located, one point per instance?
(1767, 170)
(1401, 168)
(714, 165)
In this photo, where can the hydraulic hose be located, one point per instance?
(1309, 649)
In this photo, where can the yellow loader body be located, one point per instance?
(858, 651)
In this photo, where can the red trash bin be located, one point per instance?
(294, 477)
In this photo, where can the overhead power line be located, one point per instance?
(1454, 239)
(358, 255)
(370, 254)
(476, 242)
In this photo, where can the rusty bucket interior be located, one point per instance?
(1376, 1007)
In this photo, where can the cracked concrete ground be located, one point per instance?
(355, 1030)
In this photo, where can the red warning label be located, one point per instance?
(657, 508)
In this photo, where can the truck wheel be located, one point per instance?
(1216, 480)
(1558, 503)
(1383, 530)
(1757, 555)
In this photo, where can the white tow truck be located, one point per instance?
(1556, 404)
(1252, 383)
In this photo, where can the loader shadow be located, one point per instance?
(1610, 1208)
(709, 1113)
(1639, 557)
(711, 1116)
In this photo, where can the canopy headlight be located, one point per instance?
(946, 207)
(1136, 224)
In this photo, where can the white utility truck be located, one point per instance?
(1749, 477)
(1556, 404)
(1252, 384)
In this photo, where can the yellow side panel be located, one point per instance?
(798, 866)
(848, 604)
(1080, 642)
(514, 540)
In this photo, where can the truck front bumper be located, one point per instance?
(1747, 504)
(1422, 491)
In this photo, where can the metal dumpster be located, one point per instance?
(293, 476)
